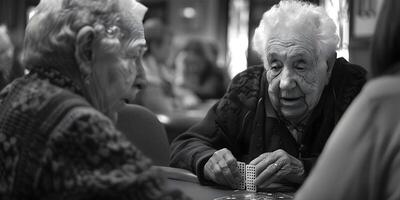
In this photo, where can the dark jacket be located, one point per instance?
(238, 121)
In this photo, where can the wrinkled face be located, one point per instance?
(117, 70)
(295, 74)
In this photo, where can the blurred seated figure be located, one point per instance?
(6, 57)
(277, 116)
(158, 95)
(57, 133)
(362, 158)
(197, 70)
(17, 69)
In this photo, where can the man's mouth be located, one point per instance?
(290, 101)
(290, 98)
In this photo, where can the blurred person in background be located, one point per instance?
(6, 56)
(277, 116)
(362, 158)
(198, 71)
(158, 95)
(17, 69)
(57, 133)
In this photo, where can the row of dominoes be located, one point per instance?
(248, 176)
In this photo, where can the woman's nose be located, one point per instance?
(140, 81)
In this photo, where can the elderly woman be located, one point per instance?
(279, 116)
(57, 138)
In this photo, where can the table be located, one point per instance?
(197, 191)
(200, 192)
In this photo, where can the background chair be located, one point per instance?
(143, 129)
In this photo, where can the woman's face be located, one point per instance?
(117, 72)
(295, 75)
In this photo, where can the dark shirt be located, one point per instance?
(239, 121)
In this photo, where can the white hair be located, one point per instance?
(300, 17)
(50, 33)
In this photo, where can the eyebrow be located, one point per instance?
(299, 52)
(137, 45)
(140, 42)
(274, 55)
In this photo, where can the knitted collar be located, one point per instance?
(57, 78)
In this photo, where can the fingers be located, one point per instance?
(219, 173)
(272, 171)
(274, 178)
(259, 159)
(232, 165)
(270, 165)
(222, 168)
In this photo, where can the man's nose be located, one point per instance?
(287, 81)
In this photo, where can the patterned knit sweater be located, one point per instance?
(54, 145)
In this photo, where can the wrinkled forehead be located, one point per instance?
(132, 14)
(292, 40)
(132, 28)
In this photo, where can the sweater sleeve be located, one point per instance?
(192, 149)
(87, 158)
(220, 128)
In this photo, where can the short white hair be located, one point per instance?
(297, 16)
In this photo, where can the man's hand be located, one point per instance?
(276, 166)
(222, 168)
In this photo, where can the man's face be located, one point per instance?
(295, 74)
(118, 72)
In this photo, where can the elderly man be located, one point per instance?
(279, 116)
(57, 137)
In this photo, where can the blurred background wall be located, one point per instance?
(228, 23)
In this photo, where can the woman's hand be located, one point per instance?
(222, 169)
(276, 166)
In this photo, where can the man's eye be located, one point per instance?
(300, 64)
(275, 66)
(300, 67)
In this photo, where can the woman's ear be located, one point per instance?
(84, 49)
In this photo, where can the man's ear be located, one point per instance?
(330, 63)
(84, 49)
